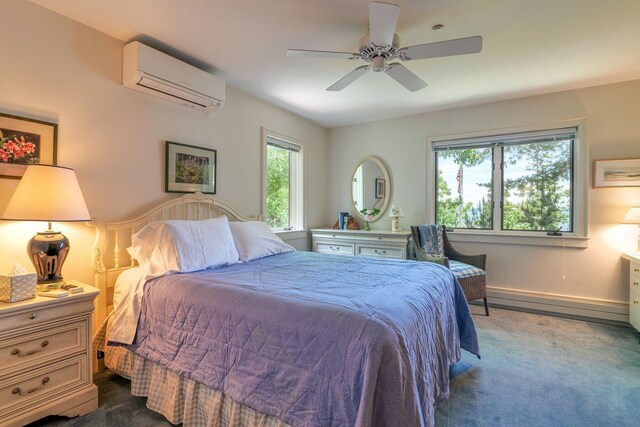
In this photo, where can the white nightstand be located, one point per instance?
(634, 289)
(45, 358)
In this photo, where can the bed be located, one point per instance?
(295, 338)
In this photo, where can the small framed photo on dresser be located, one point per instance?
(190, 168)
(23, 142)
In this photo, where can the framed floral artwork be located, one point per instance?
(190, 168)
(23, 142)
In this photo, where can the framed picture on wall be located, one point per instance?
(380, 184)
(23, 142)
(190, 168)
(617, 173)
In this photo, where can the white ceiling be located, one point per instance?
(530, 47)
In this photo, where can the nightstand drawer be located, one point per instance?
(335, 248)
(42, 310)
(23, 351)
(380, 252)
(26, 390)
(635, 272)
(634, 308)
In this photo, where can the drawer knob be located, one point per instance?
(635, 302)
(379, 237)
(380, 252)
(33, 316)
(19, 391)
(636, 270)
(17, 352)
(333, 235)
(334, 249)
(635, 283)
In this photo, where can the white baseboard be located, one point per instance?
(562, 305)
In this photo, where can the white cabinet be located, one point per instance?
(384, 244)
(45, 358)
(634, 290)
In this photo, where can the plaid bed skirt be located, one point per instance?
(179, 399)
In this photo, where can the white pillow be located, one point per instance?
(254, 239)
(177, 246)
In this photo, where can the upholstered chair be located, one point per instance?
(430, 244)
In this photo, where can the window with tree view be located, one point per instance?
(283, 185)
(518, 182)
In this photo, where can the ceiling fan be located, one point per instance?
(382, 45)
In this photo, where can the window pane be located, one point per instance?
(278, 185)
(537, 186)
(463, 189)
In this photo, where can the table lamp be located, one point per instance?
(396, 212)
(51, 194)
(633, 217)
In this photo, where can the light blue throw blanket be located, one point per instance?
(314, 339)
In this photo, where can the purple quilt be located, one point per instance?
(314, 339)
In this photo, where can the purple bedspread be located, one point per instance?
(314, 339)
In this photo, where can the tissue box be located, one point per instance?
(17, 287)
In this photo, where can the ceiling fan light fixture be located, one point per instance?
(378, 64)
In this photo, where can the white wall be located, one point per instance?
(58, 70)
(612, 113)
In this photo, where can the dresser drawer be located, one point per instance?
(377, 251)
(634, 308)
(24, 351)
(334, 248)
(35, 312)
(45, 383)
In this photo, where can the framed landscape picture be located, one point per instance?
(617, 173)
(190, 169)
(23, 142)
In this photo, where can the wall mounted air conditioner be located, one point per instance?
(150, 71)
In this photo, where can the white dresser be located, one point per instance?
(373, 243)
(634, 289)
(45, 358)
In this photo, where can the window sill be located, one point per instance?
(519, 239)
(291, 234)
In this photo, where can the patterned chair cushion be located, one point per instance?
(462, 270)
(431, 240)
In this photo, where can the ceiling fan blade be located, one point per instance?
(321, 54)
(383, 18)
(349, 78)
(406, 78)
(439, 49)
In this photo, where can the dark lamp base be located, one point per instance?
(48, 251)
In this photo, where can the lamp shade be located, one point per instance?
(633, 216)
(396, 211)
(47, 193)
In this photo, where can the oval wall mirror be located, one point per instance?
(370, 187)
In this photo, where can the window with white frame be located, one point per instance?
(283, 183)
(520, 182)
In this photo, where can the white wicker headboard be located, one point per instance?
(110, 256)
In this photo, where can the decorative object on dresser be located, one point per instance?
(430, 243)
(396, 213)
(23, 142)
(633, 217)
(360, 243)
(45, 358)
(368, 215)
(190, 168)
(634, 289)
(617, 173)
(370, 187)
(52, 194)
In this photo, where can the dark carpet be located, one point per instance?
(535, 371)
